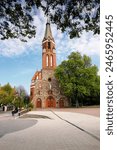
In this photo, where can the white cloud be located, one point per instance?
(14, 47)
(87, 44)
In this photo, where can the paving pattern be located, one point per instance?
(61, 132)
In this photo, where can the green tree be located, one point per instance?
(3, 97)
(6, 94)
(16, 96)
(7, 87)
(26, 100)
(20, 94)
(72, 16)
(78, 77)
(21, 97)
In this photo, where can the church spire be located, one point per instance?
(48, 32)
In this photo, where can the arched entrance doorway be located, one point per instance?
(50, 102)
(61, 103)
(38, 103)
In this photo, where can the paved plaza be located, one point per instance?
(54, 130)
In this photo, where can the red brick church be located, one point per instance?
(44, 89)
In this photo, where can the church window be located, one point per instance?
(49, 79)
(51, 60)
(49, 45)
(47, 60)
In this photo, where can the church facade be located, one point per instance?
(44, 90)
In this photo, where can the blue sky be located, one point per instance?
(19, 61)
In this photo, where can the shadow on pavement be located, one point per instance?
(35, 116)
(10, 126)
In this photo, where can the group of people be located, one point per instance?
(15, 109)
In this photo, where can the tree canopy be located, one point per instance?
(78, 78)
(72, 16)
(12, 95)
(21, 97)
(6, 94)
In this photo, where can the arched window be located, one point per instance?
(47, 60)
(51, 60)
(37, 77)
(49, 45)
(49, 79)
(40, 76)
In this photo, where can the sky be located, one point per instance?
(19, 60)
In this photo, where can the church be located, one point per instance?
(45, 90)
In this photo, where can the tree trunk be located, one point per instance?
(70, 101)
(77, 103)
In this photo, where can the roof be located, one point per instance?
(36, 75)
(48, 32)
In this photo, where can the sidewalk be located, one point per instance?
(86, 122)
(54, 133)
(93, 111)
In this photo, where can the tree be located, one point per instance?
(21, 97)
(72, 16)
(6, 94)
(3, 97)
(78, 77)
(7, 88)
(14, 96)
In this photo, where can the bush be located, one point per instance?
(30, 106)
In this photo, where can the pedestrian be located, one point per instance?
(5, 108)
(15, 111)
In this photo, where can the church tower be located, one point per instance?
(45, 90)
(48, 52)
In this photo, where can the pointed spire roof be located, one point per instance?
(48, 32)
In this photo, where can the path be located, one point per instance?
(55, 133)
